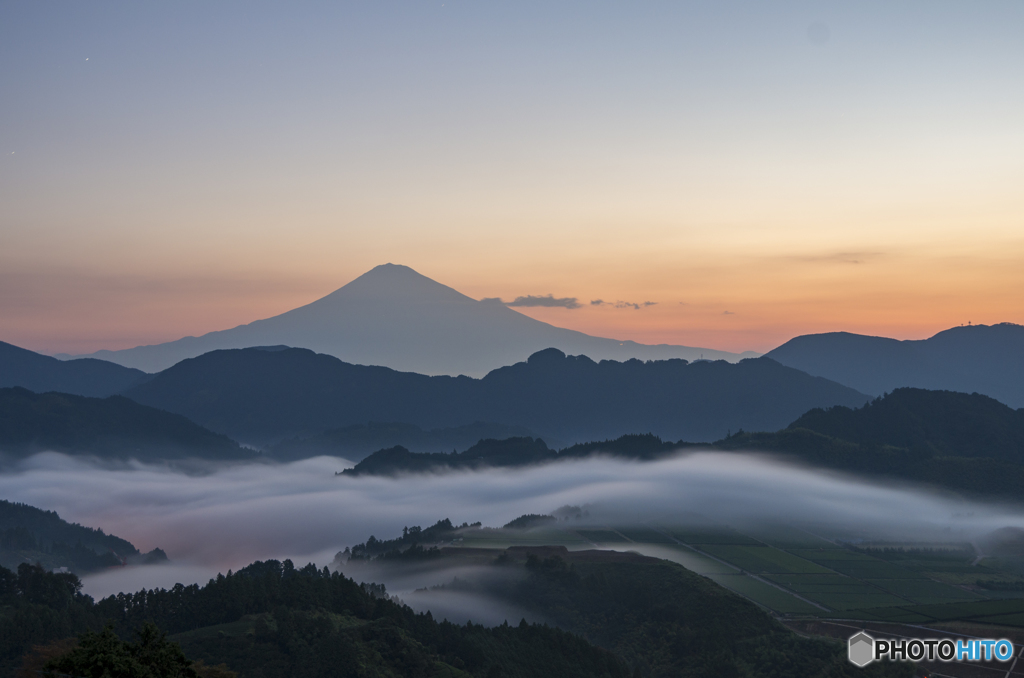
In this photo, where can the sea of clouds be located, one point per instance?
(226, 517)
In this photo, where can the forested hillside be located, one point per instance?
(939, 423)
(31, 535)
(273, 620)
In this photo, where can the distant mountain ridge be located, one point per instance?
(111, 428)
(987, 359)
(260, 397)
(395, 317)
(85, 377)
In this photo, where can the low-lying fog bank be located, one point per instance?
(234, 515)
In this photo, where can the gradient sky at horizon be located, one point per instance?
(759, 170)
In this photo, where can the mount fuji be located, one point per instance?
(395, 317)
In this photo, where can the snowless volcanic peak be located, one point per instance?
(398, 318)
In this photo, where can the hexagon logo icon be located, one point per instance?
(861, 649)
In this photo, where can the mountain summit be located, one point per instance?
(395, 317)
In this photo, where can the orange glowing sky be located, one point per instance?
(757, 171)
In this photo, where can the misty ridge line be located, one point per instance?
(967, 443)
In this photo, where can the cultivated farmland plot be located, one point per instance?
(796, 573)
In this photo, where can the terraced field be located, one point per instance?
(766, 594)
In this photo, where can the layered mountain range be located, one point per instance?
(294, 402)
(260, 396)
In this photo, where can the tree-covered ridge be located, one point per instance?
(440, 532)
(528, 521)
(965, 442)
(662, 619)
(29, 534)
(936, 423)
(510, 452)
(113, 427)
(271, 619)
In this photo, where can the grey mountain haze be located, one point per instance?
(392, 316)
(987, 359)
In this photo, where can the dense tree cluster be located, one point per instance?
(526, 521)
(439, 532)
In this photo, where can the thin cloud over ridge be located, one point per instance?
(548, 301)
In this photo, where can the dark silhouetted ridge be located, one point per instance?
(86, 376)
(261, 397)
(943, 423)
(512, 452)
(965, 442)
(987, 359)
(113, 427)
